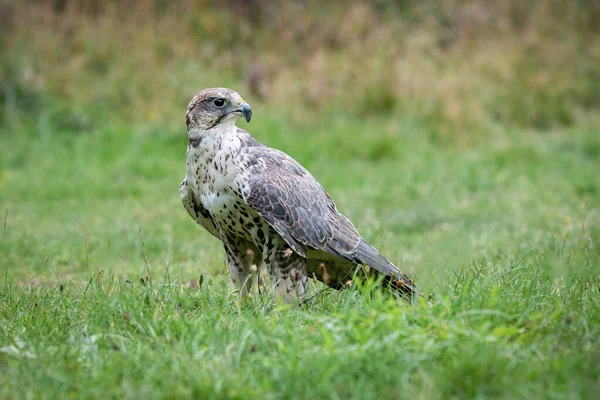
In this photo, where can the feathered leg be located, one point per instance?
(242, 255)
(287, 271)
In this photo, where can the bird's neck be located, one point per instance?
(220, 137)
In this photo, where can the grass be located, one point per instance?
(502, 232)
(461, 139)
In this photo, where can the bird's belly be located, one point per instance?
(231, 214)
(215, 188)
(217, 202)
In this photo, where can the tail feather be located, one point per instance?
(394, 277)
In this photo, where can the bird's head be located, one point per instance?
(215, 106)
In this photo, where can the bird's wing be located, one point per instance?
(196, 210)
(291, 200)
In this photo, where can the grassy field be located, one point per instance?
(502, 232)
(461, 140)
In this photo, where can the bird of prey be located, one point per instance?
(267, 209)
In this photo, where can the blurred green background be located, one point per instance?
(448, 131)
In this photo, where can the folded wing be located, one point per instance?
(291, 200)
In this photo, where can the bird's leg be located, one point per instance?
(287, 271)
(243, 260)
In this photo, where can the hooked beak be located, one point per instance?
(246, 111)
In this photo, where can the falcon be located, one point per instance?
(267, 210)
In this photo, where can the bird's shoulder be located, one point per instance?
(247, 140)
(261, 160)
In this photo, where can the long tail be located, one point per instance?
(368, 255)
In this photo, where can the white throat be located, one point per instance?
(225, 127)
(222, 137)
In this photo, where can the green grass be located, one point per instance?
(502, 230)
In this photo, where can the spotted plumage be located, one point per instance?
(266, 208)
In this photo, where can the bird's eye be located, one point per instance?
(219, 102)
